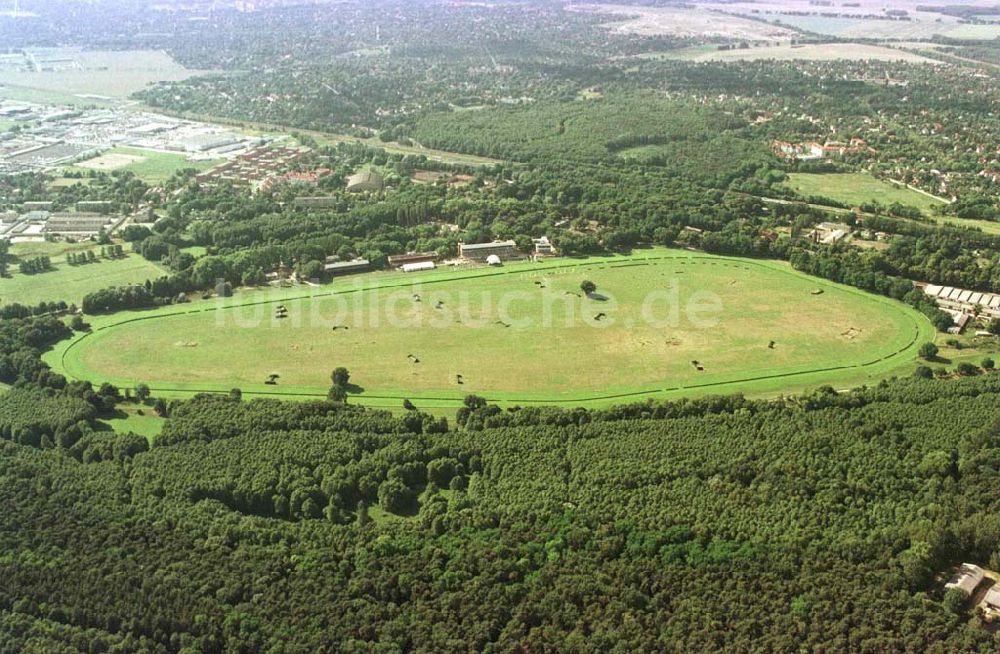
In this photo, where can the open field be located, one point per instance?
(858, 188)
(71, 283)
(128, 419)
(110, 161)
(152, 167)
(676, 21)
(850, 22)
(112, 74)
(788, 52)
(53, 249)
(43, 96)
(555, 350)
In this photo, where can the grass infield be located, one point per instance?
(777, 330)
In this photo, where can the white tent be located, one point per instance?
(414, 267)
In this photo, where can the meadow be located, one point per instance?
(859, 188)
(524, 334)
(150, 166)
(71, 283)
(111, 74)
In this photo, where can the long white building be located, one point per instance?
(964, 301)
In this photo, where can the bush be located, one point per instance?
(928, 351)
(967, 369)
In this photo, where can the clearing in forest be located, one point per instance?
(856, 189)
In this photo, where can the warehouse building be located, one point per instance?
(966, 579)
(77, 224)
(365, 181)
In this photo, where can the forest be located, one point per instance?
(722, 524)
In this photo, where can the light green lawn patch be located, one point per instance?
(859, 188)
(71, 283)
(195, 250)
(31, 249)
(155, 167)
(63, 182)
(841, 336)
(987, 226)
(148, 424)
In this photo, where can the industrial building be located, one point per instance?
(365, 181)
(966, 579)
(78, 224)
(504, 250)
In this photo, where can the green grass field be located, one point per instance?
(858, 188)
(15, 93)
(128, 419)
(154, 167)
(555, 350)
(31, 249)
(71, 283)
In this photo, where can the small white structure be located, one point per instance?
(494, 260)
(966, 579)
(414, 267)
(543, 245)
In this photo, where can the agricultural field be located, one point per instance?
(522, 334)
(859, 188)
(108, 74)
(71, 283)
(150, 166)
(675, 21)
(849, 23)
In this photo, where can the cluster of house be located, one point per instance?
(256, 167)
(967, 578)
(814, 150)
(991, 175)
(963, 304)
(308, 178)
(829, 233)
(36, 220)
